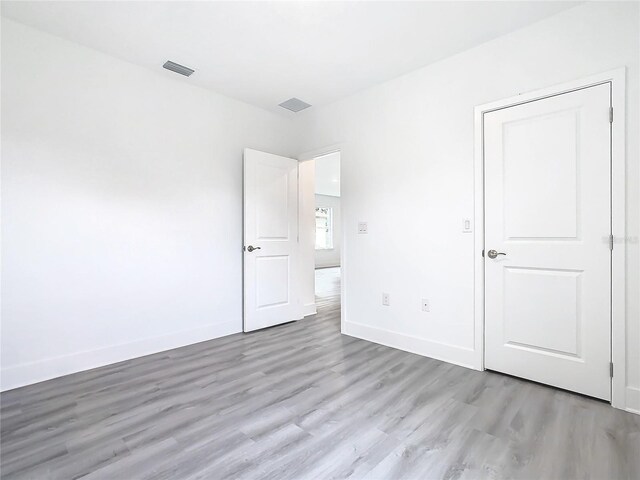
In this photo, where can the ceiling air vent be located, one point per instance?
(176, 67)
(294, 104)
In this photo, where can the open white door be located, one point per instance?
(547, 227)
(270, 240)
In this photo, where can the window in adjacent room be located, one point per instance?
(324, 228)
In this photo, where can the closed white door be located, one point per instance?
(547, 253)
(270, 239)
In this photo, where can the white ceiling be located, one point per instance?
(328, 174)
(266, 52)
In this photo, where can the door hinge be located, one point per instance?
(610, 114)
(611, 242)
(611, 369)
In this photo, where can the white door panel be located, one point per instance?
(547, 206)
(271, 230)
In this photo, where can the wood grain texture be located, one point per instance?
(302, 401)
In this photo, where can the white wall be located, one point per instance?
(121, 207)
(330, 257)
(407, 169)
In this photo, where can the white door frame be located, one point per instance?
(618, 209)
(311, 155)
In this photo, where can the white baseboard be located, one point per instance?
(633, 400)
(461, 356)
(309, 309)
(28, 373)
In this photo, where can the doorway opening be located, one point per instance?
(328, 233)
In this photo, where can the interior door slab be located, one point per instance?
(270, 239)
(547, 225)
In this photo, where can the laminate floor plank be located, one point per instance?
(300, 401)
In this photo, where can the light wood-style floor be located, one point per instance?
(302, 401)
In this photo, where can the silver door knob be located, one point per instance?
(494, 254)
(251, 248)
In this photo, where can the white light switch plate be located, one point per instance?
(362, 227)
(466, 226)
(425, 305)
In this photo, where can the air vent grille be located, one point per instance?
(294, 104)
(176, 67)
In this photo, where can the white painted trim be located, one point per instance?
(310, 155)
(465, 357)
(633, 400)
(309, 309)
(619, 391)
(478, 239)
(28, 373)
(619, 398)
(320, 152)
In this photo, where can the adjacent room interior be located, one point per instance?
(328, 231)
(317, 239)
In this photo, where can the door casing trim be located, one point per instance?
(618, 211)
